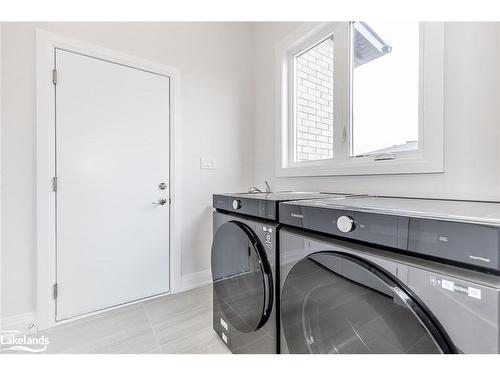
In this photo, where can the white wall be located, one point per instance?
(472, 121)
(1, 186)
(217, 96)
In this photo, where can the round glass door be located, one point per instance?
(242, 277)
(337, 303)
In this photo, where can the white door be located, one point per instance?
(112, 154)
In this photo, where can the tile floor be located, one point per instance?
(174, 324)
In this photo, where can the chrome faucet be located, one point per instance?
(255, 189)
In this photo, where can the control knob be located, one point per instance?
(345, 224)
(236, 204)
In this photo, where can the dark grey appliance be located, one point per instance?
(244, 262)
(390, 275)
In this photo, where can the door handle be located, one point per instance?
(160, 202)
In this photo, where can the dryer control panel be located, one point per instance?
(471, 244)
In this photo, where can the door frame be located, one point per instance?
(45, 227)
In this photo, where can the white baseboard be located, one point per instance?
(24, 323)
(194, 280)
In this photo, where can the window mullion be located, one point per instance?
(341, 94)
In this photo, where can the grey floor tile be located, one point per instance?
(191, 343)
(184, 324)
(166, 307)
(122, 330)
(155, 350)
(134, 341)
(216, 347)
(179, 323)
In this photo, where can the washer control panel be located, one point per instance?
(236, 204)
(266, 209)
(345, 224)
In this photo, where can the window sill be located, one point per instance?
(408, 165)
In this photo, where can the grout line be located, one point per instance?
(151, 326)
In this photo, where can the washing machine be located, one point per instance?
(389, 275)
(244, 268)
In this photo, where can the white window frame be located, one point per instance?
(429, 156)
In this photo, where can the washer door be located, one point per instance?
(338, 303)
(242, 277)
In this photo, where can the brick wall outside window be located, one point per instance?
(314, 103)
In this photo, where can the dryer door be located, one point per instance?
(338, 303)
(242, 277)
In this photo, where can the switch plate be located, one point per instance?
(207, 162)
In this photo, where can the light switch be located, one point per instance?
(207, 162)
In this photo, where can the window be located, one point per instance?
(384, 71)
(361, 98)
(314, 102)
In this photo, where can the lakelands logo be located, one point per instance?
(18, 341)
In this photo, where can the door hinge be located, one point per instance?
(54, 291)
(54, 76)
(344, 134)
(169, 200)
(54, 184)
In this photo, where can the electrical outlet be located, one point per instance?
(207, 162)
